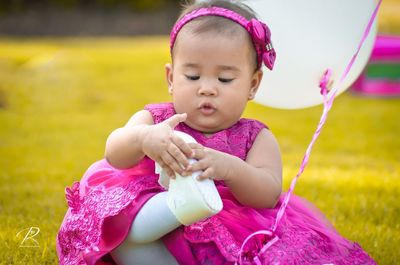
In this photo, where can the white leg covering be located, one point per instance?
(142, 246)
(153, 221)
(129, 253)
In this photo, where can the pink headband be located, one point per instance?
(259, 32)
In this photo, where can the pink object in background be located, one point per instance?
(386, 48)
(386, 51)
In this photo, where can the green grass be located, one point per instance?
(60, 98)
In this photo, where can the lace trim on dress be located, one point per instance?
(81, 231)
(212, 230)
(295, 246)
(299, 246)
(161, 111)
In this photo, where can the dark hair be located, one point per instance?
(218, 24)
(236, 6)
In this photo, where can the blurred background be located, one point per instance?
(116, 17)
(88, 17)
(73, 71)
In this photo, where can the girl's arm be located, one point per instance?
(123, 146)
(256, 182)
(126, 146)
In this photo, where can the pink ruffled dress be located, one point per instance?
(103, 205)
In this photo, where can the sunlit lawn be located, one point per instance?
(60, 98)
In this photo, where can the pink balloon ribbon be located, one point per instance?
(328, 101)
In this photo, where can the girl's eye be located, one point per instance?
(192, 77)
(225, 80)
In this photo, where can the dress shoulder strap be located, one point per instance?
(160, 111)
(251, 128)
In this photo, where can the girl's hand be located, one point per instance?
(161, 144)
(213, 163)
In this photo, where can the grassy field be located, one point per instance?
(60, 98)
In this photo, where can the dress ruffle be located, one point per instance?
(102, 207)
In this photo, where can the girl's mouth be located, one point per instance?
(207, 108)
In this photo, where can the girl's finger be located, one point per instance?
(175, 120)
(199, 153)
(170, 173)
(179, 156)
(207, 174)
(176, 153)
(195, 146)
(183, 146)
(199, 165)
(171, 162)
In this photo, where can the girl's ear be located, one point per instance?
(169, 75)
(255, 83)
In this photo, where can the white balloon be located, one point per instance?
(310, 36)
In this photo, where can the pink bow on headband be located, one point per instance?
(261, 36)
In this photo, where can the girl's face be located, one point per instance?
(211, 79)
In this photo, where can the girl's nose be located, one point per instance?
(207, 89)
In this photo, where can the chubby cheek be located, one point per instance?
(183, 90)
(235, 106)
(182, 94)
(232, 112)
(182, 101)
